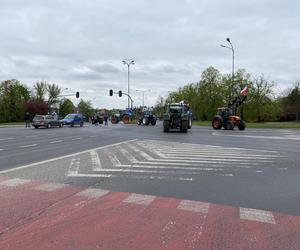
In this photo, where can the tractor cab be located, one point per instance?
(225, 112)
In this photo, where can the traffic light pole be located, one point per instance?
(129, 98)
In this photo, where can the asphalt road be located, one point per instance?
(257, 168)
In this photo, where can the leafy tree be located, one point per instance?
(293, 100)
(261, 97)
(13, 95)
(36, 107)
(53, 94)
(66, 106)
(40, 88)
(85, 108)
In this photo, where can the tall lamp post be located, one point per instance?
(143, 91)
(128, 63)
(232, 49)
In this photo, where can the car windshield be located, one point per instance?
(69, 116)
(39, 117)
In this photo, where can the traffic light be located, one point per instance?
(120, 93)
(77, 94)
(111, 92)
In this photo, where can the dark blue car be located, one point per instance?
(73, 119)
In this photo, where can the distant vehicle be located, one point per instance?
(46, 121)
(73, 119)
(146, 117)
(177, 116)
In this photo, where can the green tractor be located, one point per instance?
(177, 116)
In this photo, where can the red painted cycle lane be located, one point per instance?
(65, 217)
(23, 203)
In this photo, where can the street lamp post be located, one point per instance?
(128, 63)
(143, 91)
(232, 49)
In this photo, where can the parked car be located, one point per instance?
(46, 121)
(73, 119)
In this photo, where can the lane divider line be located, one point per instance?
(28, 146)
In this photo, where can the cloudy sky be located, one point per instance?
(80, 44)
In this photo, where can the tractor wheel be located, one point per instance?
(217, 122)
(190, 123)
(229, 125)
(166, 126)
(184, 126)
(146, 121)
(242, 125)
(153, 123)
(139, 122)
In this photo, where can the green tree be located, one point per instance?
(13, 96)
(40, 88)
(66, 106)
(261, 97)
(85, 108)
(293, 100)
(53, 94)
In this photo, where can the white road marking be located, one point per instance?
(96, 163)
(28, 146)
(31, 136)
(1, 149)
(171, 167)
(92, 136)
(75, 139)
(6, 139)
(141, 153)
(140, 199)
(56, 141)
(256, 215)
(194, 206)
(127, 155)
(138, 177)
(62, 157)
(50, 187)
(92, 193)
(113, 158)
(74, 166)
(91, 175)
(259, 171)
(126, 170)
(14, 182)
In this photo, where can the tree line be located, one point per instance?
(217, 90)
(16, 99)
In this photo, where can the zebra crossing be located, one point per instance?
(153, 159)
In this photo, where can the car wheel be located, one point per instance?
(72, 124)
(81, 124)
(36, 126)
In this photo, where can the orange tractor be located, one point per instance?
(227, 116)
